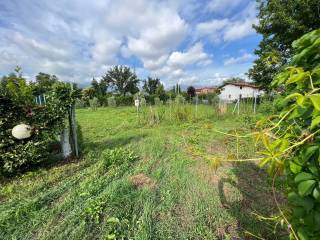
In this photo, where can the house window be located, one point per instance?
(229, 95)
(240, 87)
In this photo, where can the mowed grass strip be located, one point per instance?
(188, 198)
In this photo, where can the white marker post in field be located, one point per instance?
(255, 102)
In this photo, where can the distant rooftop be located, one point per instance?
(240, 84)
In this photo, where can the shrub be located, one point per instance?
(47, 122)
(94, 103)
(266, 107)
(179, 99)
(143, 102)
(117, 157)
(112, 101)
(80, 103)
(150, 99)
(124, 100)
(213, 99)
(157, 101)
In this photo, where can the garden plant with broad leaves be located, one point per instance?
(292, 138)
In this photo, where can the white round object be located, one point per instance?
(21, 131)
(137, 102)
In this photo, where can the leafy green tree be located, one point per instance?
(15, 87)
(88, 93)
(103, 85)
(161, 92)
(177, 89)
(280, 23)
(96, 87)
(150, 85)
(122, 79)
(191, 91)
(43, 83)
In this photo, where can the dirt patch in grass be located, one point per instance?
(228, 230)
(218, 148)
(142, 181)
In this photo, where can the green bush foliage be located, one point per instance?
(179, 99)
(112, 101)
(143, 102)
(124, 100)
(94, 103)
(292, 138)
(157, 101)
(47, 122)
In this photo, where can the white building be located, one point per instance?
(233, 91)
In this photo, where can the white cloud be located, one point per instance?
(239, 29)
(230, 29)
(213, 26)
(194, 55)
(245, 57)
(161, 34)
(155, 64)
(39, 49)
(104, 52)
(174, 67)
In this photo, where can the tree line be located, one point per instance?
(119, 81)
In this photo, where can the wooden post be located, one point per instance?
(74, 130)
(73, 127)
(196, 106)
(255, 103)
(239, 105)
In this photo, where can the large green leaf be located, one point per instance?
(308, 152)
(315, 98)
(316, 194)
(315, 122)
(306, 187)
(302, 234)
(303, 176)
(297, 77)
(294, 167)
(307, 203)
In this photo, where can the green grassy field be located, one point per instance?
(155, 187)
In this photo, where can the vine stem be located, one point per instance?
(252, 235)
(311, 82)
(278, 123)
(233, 135)
(278, 206)
(301, 142)
(243, 160)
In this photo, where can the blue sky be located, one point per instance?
(191, 42)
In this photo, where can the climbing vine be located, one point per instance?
(291, 139)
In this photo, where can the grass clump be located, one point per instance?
(117, 157)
